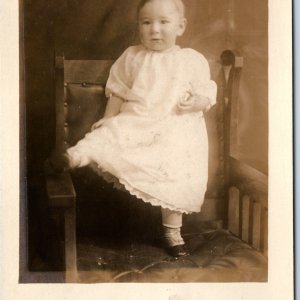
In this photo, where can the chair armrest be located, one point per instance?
(249, 180)
(60, 190)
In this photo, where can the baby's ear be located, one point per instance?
(181, 26)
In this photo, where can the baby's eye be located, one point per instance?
(164, 21)
(145, 22)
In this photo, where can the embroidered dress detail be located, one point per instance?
(158, 155)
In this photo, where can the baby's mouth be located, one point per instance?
(155, 40)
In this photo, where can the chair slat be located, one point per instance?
(233, 211)
(264, 233)
(256, 225)
(245, 218)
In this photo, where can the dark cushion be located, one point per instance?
(216, 256)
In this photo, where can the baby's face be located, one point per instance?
(160, 23)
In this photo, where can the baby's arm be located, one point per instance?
(113, 106)
(193, 103)
(200, 89)
(112, 109)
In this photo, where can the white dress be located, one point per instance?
(158, 155)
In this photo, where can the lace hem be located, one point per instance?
(121, 184)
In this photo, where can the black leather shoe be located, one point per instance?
(178, 251)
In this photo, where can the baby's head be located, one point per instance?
(178, 4)
(160, 23)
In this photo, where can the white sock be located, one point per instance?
(173, 236)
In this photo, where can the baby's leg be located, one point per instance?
(72, 158)
(172, 223)
(88, 149)
(171, 218)
(77, 158)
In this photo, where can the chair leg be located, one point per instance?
(70, 245)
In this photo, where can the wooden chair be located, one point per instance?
(80, 101)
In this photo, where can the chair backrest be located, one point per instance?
(80, 97)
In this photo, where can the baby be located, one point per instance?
(153, 136)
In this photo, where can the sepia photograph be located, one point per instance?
(143, 141)
(146, 150)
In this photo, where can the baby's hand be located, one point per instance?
(193, 103)
(98, 124)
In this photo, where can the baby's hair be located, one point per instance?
(178, 3)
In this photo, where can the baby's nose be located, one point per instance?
(155, 28)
